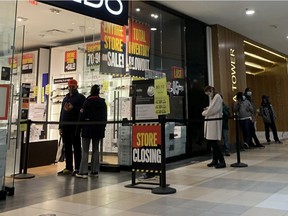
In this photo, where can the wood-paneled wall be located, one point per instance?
(230, 77)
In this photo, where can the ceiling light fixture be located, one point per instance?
(22, 19)
(251, 64)
(153, 29)
(138, 9)
(259, 57)
(155, 16)
(249, 11)
(264, 49)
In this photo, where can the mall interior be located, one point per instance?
(135, 51)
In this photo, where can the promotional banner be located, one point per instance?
(113, 49)
(138, 48)
(93, 54)
(161, 98)
(70, 61)
(146, 148)
(27, 63)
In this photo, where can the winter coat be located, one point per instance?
(76, 100)
(267, 113)
(213, 129)
(94, 109)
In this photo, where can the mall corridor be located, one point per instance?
(259, 189)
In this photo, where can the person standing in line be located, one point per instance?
(70, 110)
(225, 128)
(248, 95)
(244, 110)
(94, 109)
(269, 116)
(213, 128)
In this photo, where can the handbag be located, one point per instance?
(60, 155)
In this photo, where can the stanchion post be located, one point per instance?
(163, 189)
(238, 164)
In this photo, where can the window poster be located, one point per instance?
(113, 49)
(4, 105)
(27, 63)
(93, 54)
(70, 61)
(138, 48)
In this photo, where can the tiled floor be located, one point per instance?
(259, 189)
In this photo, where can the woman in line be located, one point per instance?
(94, 109)
(213, 128)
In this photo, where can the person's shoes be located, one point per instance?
(245, 145)
(220, 165)
(75, 172)
(268, 142)
(278, 142)
(80, 175)
(65, 172)
(260, 146)
(94, 174)
(227, 154)
(212, 164)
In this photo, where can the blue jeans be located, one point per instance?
(95, 164)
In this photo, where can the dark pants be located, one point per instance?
(274, 131)
(253, 135)
(71, 138)
(217, 154)
(245, 126)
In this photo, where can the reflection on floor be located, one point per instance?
(259, 189)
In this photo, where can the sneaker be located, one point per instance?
(75, 172)
(94, 174)
(245, 145)
(79, 175)
(220, 165)
(212, 164)
(278, 142)
(65, 172)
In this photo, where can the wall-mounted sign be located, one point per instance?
(115, 11)
(70, 61)
(113, 49)
(93, 54)
(138, 48)
(27, 63)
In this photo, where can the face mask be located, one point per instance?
(243, 98)
(249, 93)
(73, 90)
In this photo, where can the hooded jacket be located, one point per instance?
(94, 109)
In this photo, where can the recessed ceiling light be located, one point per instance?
(138, 9)
(249, 11)
(287, 37)
(153, 29)
(155, 16)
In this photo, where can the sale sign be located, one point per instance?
(70, 61)
(113, 49)
(93, 54)
(146, 148)
(138, 48)
(27, 63)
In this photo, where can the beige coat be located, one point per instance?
(213, 129)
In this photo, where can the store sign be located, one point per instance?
(146, 148)
(70, 61)
(233, 71)
(138, 48)
(113, 49)
(93, 54)
(27, 63)
(115, 11)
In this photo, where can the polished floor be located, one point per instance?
(259, 189)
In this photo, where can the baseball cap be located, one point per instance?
(72, 82)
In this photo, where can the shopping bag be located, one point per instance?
(60, 156)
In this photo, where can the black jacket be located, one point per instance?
(77, 101)
(94, 109)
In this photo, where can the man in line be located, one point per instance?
(71, 105)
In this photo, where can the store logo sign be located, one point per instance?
(115, 11)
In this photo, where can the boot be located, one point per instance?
(213, 163)
(220, 165)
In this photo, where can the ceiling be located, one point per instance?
(267, 26)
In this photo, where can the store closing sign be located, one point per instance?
(146, 147)
(115, 11)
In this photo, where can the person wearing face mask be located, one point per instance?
(244, 109)
(70, 109)
(213, 128)
(269, 116)
(248, 95)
